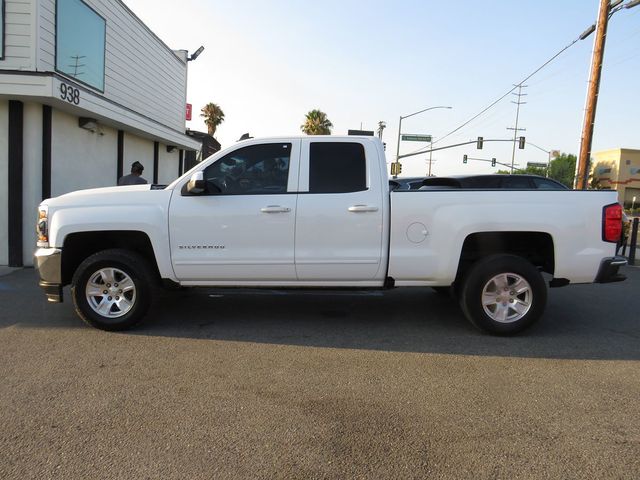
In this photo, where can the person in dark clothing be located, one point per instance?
(135, 177)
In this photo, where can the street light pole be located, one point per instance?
(400, 129)
(430, 156)
(548, 152)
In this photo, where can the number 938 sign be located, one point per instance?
(69, 93)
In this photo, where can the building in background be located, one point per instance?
(618, 169)
(86, 89)
(209, 146)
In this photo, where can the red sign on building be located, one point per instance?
(189, 108)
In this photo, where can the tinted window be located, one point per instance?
(256, 169)
(544, 184)
(337, 167)
(80, 37)
(516, 182)
(481, 182)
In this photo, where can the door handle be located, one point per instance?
(275, 209)
(363, 208)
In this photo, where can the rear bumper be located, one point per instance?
(48, 261)
(608, 271)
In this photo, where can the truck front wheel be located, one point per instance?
(112, 289)
(503, 294)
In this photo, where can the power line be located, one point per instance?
(506, 94)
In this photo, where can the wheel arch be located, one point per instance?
(535, 247)
(79, 245)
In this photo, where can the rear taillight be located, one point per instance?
(612, 223)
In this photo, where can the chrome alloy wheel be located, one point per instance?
(110, 292)
(507, 297)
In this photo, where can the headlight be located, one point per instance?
(42, 227)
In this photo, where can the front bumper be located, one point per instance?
(608, 271)
(48, 261)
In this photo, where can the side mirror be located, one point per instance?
(196, 183)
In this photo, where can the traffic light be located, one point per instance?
(521, 142)
(493, 162)
(464, 158)
(480, 142)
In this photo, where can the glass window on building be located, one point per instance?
(80, 43)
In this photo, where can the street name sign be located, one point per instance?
(536, 165)
(416, 137)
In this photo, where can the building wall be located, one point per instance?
(139, 67)
(167, 165)
(19, 33)
(31, 177)
(624, 174)
(137, 149)
(81, 159)
(4, 189)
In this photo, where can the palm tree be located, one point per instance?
(316, 123)
(213, 116)
(381, 126)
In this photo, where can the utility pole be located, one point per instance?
(592, 95)
(516, 129)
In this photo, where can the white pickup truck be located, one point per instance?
(317, 212)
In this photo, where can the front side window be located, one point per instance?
(253, 170)
(337, 167)
(80, 42)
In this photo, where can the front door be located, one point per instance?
(241, 229)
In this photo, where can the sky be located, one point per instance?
(266, 64)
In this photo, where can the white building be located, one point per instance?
(86, 89)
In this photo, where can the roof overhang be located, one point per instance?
(46, 88)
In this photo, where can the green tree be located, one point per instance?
(316, 123)
(213, 117)
(563, 169)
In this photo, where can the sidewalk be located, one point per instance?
(8, 270)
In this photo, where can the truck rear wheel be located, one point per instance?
(503, 294)
(112, 289)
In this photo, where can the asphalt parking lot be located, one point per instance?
(253, 384)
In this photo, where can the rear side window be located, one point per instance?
(515, 182)
(543, 184)
(481, 182)
(337, 167)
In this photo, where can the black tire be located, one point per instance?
(512, 267)
(138, 299)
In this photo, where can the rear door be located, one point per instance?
(340, 212)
